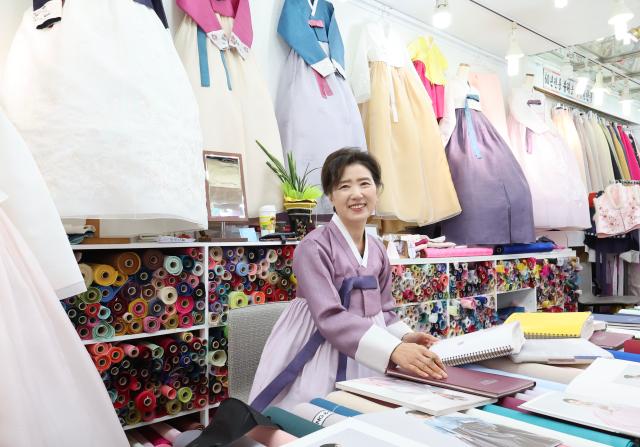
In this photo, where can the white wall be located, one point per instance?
(269, 48)
(271, 52)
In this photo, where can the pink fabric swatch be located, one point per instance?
(513, 403)
(455, 252)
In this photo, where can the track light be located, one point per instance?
(620, 16)
(514, 53)
(441, 15)
(598, 89)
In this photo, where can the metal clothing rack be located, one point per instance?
(586, 108)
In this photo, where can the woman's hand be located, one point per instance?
(420, 338)
(419, 360)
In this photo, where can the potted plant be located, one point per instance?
(300, 198)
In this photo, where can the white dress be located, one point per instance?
(30, 208)
(52, 395)
(106, 108)
(560, 197)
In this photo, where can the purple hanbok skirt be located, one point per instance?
(492, 190)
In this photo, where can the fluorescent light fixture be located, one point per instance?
(561, 3)
(514, 53)
(441, 15)
(620, 16)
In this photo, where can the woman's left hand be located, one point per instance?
(420, 338)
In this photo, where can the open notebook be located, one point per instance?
(554, 325)
(605, 396)
(485, 344)
(417, 396)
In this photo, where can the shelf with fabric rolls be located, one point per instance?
(144, 335)
(467, 294)
(143, 347)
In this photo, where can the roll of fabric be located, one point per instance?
(629, 356)
(168, 295)
(103, 274)
(127, 262)
(151, 324)
(291, 423)
(139, 308)
(317, 415)
(107, 293)
(152, 259)
(536, 247)
(237, 299)
(338, 409)
(92, 295)
(562, 427)
(559, 374)
(356, 403)
(87, 273)
(184, 304)
(172, 264)
(218, 357)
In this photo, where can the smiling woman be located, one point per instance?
(341, 325)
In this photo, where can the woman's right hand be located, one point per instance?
(419, 360)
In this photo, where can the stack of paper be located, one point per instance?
(417, 396)
(560, 351)
(620, 321)
(605, 396)
(554, 325)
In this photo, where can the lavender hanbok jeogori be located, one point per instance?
(365, 329)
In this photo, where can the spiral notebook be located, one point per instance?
(485, 344)
(554, 325)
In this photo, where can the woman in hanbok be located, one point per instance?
(344, 306)
(317, 113)
(105, 106)
(52, 394)
(560, 198)
(402, 131)
(214, 42)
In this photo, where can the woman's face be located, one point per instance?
(356, 195)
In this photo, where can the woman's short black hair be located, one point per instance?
(335, 164)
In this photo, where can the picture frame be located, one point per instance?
(225, 188)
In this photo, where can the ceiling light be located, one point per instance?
(514, 53)
(561, 3)
(441, 15)
(620, 17)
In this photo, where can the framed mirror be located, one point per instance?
(226, 198)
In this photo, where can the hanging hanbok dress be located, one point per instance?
(317, 113)
(356, 338)
(567, 129)
(634, 168)
(214, 42)
(430, 64)
(560, 198)
(402, 131)
(619, 170)
(595, 177)
(52, 394)
(489, 88)
(493, 191)
(600, 145)
(105, 106)
(30, 208)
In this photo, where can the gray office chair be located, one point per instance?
(248, 330)
(587, 297)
